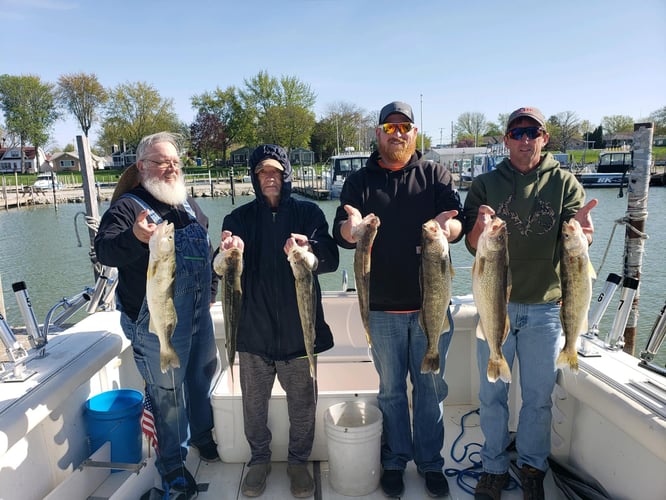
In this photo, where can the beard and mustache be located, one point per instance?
(397, 152)
(169, 193)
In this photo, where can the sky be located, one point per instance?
(593, 57)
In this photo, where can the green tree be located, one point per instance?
(659, 119)
(616, 124)
(135, 110)
(471, 124)
(30, 109)
(83, 96)
(563, 128)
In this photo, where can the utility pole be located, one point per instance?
(422, 132)
(441, 136)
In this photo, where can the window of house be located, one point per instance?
(67, 163)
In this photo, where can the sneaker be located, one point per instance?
(392, 483)
(531, 480)
(436, 484)
(254, 483)
(302, 484)
(207, 452)
(490, 486)
(179, 484)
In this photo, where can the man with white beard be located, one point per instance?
(179, 397)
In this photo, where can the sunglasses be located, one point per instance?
(390, 128)
(531, 132)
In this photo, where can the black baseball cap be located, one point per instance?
(396, 107)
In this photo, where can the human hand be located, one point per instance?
(296, 240)
(483, 217)
(451, 227)
(142, 228)
(348, 228)
(228, 241)
(585, 220)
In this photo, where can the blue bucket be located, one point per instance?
(115, 416)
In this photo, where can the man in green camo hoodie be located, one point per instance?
(534, 196)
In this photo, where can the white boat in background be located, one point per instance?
(340, 166)
(608, 429)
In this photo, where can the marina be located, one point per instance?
(609, 419)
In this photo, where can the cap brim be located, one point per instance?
(269, 162)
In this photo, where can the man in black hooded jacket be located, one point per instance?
(269, 337)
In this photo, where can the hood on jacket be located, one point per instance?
(274, 152)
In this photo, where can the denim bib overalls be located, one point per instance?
(181, 395)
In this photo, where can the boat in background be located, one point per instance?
(611, 170)
(339, 168)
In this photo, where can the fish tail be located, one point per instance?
(169, 359)
(313, 371)
(430, 363)
(568, 359)
(498, 369)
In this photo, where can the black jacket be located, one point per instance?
(403, 200)
(116, 245)
(269, 324)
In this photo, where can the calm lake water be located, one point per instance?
(40, 247)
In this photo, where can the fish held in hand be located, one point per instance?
(435, 278)
(303, 265)
(491, 287)
(229, 265)
(576, 274)
(160, 280)
(364, 235)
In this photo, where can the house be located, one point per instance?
(241, 157)
(122, 159)
(301, 156)
(618, 140)
(68, 161)
(33, 161)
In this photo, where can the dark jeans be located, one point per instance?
(257, 376)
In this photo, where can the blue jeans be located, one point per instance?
(534, 337)
(398, 347)
(181, 395)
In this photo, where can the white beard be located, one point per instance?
(171, 194)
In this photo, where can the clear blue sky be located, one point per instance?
(593, 57)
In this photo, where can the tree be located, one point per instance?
(207, 135)
(30, 109)
(135, 110)
(659, 119)
(83, 96)
(235, 121)
(616, 124)
(562, 128)
(471, 124)
(282, 109)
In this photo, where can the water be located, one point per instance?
(40, 247)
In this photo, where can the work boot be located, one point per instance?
(490, 486)
(436, 484)
(179, 484)
(392, 483)
(302, 484)
(254, 483)
(531, 480)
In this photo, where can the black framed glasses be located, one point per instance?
(164, 164)
(532, 133)
(390, 128)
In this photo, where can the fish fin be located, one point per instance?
(479, 331)
(568, 359)
(498, 369)
(169, 359)
(593, 273)
(430, 363)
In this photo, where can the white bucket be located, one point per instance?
(354, 432)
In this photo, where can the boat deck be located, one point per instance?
(222, 481)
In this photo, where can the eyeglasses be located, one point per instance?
(390, 128)
(164, 164)
(531, 132)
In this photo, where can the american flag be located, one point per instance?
(148, 422)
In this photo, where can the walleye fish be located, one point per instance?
(229, 264)
(576, 274)
(303, 264)
(364, 234)
(160, 280)
(435, 277)
(491, 287)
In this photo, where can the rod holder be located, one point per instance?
(629, 287)
(603, 299)
(656, 337)
(35, 335)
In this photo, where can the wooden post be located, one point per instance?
(92, 208)
(637, 204)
